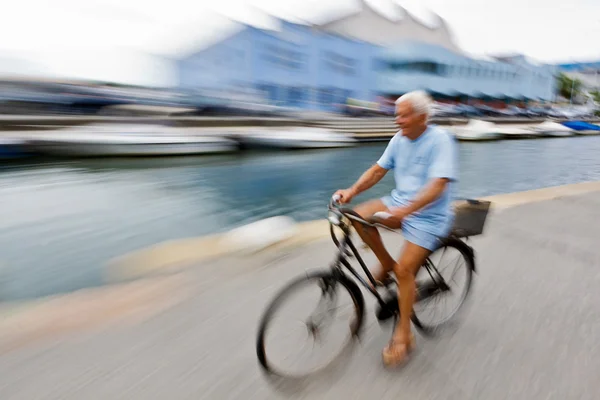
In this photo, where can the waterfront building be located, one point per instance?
(361, 56)
(450, 75)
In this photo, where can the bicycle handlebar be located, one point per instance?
(334, 205)
(335, 201)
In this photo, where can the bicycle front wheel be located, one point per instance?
(310, 319)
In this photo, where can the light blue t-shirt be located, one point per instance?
(415, 163)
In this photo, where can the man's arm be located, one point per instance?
(428, 195)
(368, 179)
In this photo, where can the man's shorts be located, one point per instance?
(414, 234)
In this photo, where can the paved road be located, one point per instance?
(531, 330)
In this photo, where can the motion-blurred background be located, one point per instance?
(342, 56)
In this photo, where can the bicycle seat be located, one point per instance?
(383, 218)
(382, 215)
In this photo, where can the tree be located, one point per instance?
(568, 86)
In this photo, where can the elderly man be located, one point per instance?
(423, 158)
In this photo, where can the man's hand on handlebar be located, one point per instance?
(344, 196)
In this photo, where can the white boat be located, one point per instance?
(476, 130)
(552, 129)
(509, 131)
(138, 141)
(295, 138)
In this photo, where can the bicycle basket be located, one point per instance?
(470, 217)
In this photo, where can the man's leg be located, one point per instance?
(372, 237)
(406, 269)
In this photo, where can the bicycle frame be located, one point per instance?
(342, 260)
(346, 243)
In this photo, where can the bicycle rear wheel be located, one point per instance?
(444, 280)
(332, 289)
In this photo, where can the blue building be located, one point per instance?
(362, 55)
(446, 74)
(298, 66)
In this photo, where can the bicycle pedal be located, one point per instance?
(389, 309)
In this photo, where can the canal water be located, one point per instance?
(61, 221)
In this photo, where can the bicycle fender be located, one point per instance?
(462, 246)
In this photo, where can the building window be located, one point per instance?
(326, 95)
(339, 63)
(283, 57)
(296, 96)
(269, 91)
(421, 67)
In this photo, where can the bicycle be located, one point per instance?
(469, 221)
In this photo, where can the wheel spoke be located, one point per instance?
(321, 325)
(437, 309)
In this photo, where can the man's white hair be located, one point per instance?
(419, 100)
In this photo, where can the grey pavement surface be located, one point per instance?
(530, 331)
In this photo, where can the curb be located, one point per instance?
(508, 200)
(173, 256)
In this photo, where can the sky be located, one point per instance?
(134, 41)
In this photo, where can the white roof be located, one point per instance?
(397, 24)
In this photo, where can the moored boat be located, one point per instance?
(295, 138)
(126, 140)
(518, 132)
(109, 145)
(476, 130)
(552, 129)
(582, 127)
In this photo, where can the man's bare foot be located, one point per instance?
(397, 351)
